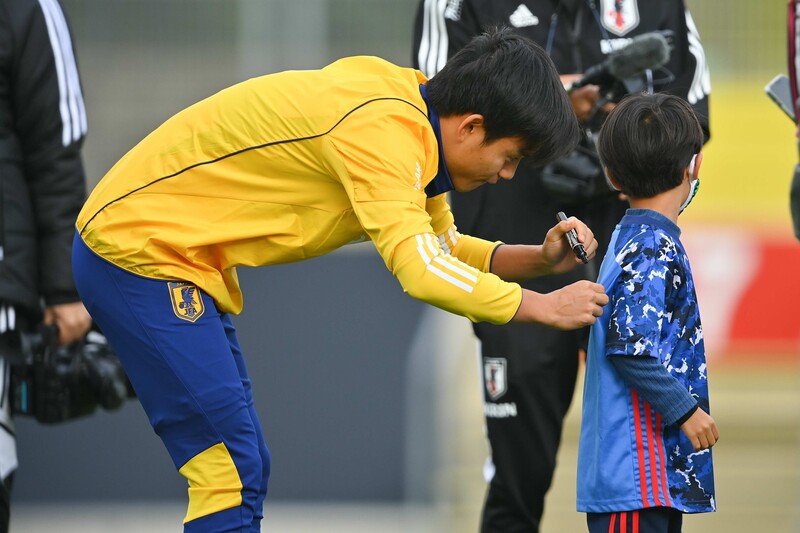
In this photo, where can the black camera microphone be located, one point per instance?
(647, 51)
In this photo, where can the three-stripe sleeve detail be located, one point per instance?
(8, 318)
(701, 81)
(445, 266)
(433, 45)
(71, 104)
(449, 239)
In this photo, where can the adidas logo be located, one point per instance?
(523, 17)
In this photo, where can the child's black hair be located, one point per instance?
(647, 142)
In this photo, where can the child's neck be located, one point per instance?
(667, 203)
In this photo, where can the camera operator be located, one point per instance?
(529, 372)
(42, 184)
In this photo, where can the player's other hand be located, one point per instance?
(571, 307)
(701, 429)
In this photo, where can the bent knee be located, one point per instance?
(215, 483)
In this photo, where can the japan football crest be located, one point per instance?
(619, 16)
(187, 303)
(495, 376)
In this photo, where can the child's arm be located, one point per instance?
(667, 396)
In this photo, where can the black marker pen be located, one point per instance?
(572, 238)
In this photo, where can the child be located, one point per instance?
(646, 434)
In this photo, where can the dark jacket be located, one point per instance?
(575, 43)
(577, 34)
(42, 127)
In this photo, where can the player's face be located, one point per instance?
(476, 163)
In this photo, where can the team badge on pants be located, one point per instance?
(186, 300)
(494, 376)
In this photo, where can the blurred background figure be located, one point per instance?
(42, 127)
(529, 373)
(793, 47)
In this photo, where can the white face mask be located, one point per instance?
(694, 185)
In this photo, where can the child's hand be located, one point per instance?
(701, 430)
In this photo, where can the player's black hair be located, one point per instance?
(647, 142)
(513, 83)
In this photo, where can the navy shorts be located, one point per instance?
(650, 520)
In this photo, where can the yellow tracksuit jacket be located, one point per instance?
(289, 166)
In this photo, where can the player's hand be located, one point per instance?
(571, 307)
(556, 251)
(701, 429)
(72, 321)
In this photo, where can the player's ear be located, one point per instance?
(470, 124)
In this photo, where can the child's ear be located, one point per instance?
(611, 181)
(694, 166)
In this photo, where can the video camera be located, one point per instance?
(53, 383)
(578, 178)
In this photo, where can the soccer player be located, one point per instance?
(293, 165)
(646, 433)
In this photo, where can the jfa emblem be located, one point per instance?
(186, 300)
(619, 16)
(495, 376)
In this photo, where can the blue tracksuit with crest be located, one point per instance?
(628, 457)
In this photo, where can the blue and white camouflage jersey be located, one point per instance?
(628, 457)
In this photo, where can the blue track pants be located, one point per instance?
(184, 362)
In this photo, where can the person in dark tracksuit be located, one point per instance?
(529, 372)
(42, 188)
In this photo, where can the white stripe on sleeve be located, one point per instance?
(445, 266)
(71, 104)
(701, 82)
(433, 45)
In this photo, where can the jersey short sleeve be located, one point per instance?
(638, 299)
